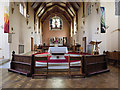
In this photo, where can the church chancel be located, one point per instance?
(57, 52)
(50, 41)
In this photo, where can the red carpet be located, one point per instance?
(57, 60)
(60, 61)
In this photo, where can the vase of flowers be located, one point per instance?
(56, 42)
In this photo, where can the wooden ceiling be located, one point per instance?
(44, 9)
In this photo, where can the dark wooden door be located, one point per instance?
(84, 44)
(31, 43)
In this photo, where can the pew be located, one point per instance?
(113, 57)
(94, 64)
(91, 64)
(21, 64)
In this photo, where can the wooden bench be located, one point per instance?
(113, 57)
(21, 64)
(90, 64)
(94, 64)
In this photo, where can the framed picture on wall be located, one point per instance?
(103, 27)
(51, 40)
(61, 40)
(64, 41)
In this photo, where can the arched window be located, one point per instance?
(55, 23)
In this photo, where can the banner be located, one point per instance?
(6, 19)
(102, 10)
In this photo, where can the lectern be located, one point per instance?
(95, 43)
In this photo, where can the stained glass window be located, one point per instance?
(21, 8)
(55, 23)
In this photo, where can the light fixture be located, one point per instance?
(83, 19)
(75, 31)
(106, 27)
(12, 31)
(29, 27)
(27, 15)
(12, 7)
(83, 32)
(97, 28)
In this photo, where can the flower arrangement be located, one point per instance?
(56, 41)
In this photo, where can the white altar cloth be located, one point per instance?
(57, 50)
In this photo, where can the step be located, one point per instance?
(2, 61)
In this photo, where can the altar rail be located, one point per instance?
(91, 64)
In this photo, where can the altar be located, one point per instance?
(57, 52)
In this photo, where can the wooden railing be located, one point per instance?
(91, 64)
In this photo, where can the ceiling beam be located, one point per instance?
(58, 13)
(50, 11)
(66, 9)
(75, 6)
(38, 6)
(78, 4)
(59, 8)
(71, 8)
(42, 6)
(46, 9)
(32, 3)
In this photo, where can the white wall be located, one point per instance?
(37, 35)
(112, 22)
(92, 22)
(21, 29)
(26, 31)
(4, 45)
(15, 22)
